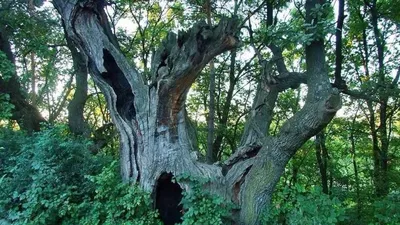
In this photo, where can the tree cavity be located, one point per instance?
(117, 80)
(168, 199)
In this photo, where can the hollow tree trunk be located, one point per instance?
(154, 132)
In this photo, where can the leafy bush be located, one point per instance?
(201, 207)
(5, 107)
(296, 206)
(115, 203)
(52, 178)
(43, 174)
(387, 210)
(7, 69)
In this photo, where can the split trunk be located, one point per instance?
(156, 140)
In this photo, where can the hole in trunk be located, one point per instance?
(168, 198)
(117, 80)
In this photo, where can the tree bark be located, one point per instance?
(155, 136)
(31, 10)
(355, 166)
(76, 121)
(322, 159)
(381, 152)
(211, 154)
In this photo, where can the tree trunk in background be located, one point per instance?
(211, 154)
(155, 137)
(27, 116)
(31, 9)
(355, 167)
(76, 120)
(222, 123)
(379, 152)
(322, 160)
(379, 133)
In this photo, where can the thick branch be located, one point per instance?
(261, 114)
(181, 58)
(321, 104)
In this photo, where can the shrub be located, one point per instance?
(296, 206)
(43, 175)
(115, 203)
(52, 178)
(387, 210)
(201, 207)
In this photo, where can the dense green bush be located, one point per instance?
(201, 207)
(52, 178)
(115, 203)
(387, 210)
(297, 206)
(43, 174)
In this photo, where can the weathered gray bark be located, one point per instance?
(151, 119)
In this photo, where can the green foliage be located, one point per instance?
(7, 70)
(154, 21)
(323, 14)
(5, 106)
(298, 206)
(390, 9)
(387, 210)
(296, 31)
(201, 207)
(43, 175)
(115, 203)
(52, 178)
(38, 47)
(6, 67)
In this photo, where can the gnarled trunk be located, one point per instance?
(156, 139)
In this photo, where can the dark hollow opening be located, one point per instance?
(117, 80)
(168, 198)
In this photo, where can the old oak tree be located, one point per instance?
(155, 139)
